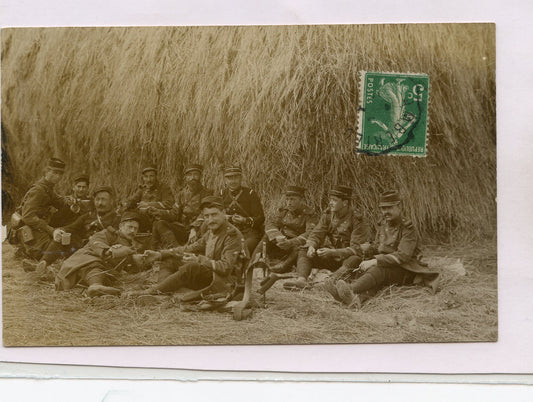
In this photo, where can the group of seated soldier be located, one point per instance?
(202, 241)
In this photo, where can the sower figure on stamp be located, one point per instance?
(287, 230)
(82, 203)
(396, 257)
(243, 207)
(79, 231)
(173, 227)
(343, 228)
(36, 234)
(212, 260)
(96, 264)
(151, 193)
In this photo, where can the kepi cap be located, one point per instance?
(130, 216)
(81, 177)
(107, 189)
(388, 198)
(212, 201)
(295, 190)
(232, 171)
(56, 164)
(194, 167)
(149, 168)
(343, 192)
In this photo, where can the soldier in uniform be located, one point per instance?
(102, 217)
(173, 227)
(396, 257)
(287, 230)
(243, 207)
(101, 258)
(346, 231)
(195, 266)
(82, 203)
(151, 193)
(36, 211)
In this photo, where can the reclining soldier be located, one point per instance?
(96, 264)
(102, 217)
(396, 257)
(195, 266)
(343, 228)
(287, 230)
(173, 227)
(36, 207)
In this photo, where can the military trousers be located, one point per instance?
(382, 275)
(189, 275)
(35, 248)
(305, 264)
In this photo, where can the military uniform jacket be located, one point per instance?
(245, 203)
(293, 225)
(92, 252)
(217, 251)
(37, 203)
(187, 206)
(345, 232)
(90, 223)
(397, 243)
(159, 193)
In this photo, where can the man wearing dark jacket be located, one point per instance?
(102, 217)
(36, 208)
(196, 266)
(243, 207)
(172, 227)
(336, 240)
(396, 257)
(287, 230)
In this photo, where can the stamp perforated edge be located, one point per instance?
(360, 111)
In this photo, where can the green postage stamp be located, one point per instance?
(393, 114)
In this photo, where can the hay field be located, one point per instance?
(280, 100)
(463, 310)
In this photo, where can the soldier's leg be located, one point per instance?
(54, 251)
(251, 240)
(96, 279)
(288, 259)
(193, 276)
(304, 265)
(167, 267)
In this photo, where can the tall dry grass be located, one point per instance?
(279, 100)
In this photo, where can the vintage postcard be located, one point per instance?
(249, 185)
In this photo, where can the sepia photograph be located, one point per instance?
(249, 185)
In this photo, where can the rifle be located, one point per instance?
(241, 310)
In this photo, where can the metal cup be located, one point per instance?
(65, 238)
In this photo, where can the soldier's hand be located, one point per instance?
(325, 252)
(188, 257)
(365, 247)
(284, 244)
(311, 251)
(119, 251)
(239, 220)
(70, 200)
(151, 256)
(154, 211)
(57, 235)
(366, 265)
